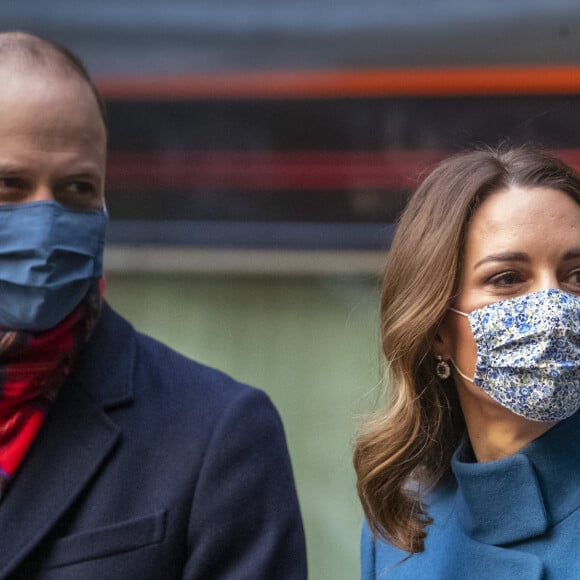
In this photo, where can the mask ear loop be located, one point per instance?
(460, 373)
(451, 358)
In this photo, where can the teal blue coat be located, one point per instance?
(516, 518)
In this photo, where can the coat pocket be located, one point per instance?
(108, 540)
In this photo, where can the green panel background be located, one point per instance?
(312, 344)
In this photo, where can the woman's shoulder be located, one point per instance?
(379, 556)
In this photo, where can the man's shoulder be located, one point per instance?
(158, 362)
(161, 375)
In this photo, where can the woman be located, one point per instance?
(472, 470)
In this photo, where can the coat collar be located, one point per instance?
(107, 362)
(521, 496)
(449, 553)
(77, 438)
(466, 558)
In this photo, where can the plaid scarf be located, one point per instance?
(33, 367)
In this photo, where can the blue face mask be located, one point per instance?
(528, 353)
(49, 255)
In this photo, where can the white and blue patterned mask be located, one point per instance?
(528, 353)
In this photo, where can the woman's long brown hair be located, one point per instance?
(405, 448)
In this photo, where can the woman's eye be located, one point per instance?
(574, 277)
(505, 279)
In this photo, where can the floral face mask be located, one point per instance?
(528, 353)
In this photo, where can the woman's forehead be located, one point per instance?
(518, 218)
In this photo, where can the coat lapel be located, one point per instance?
(453, 555)
(75, 441)
(471, 559)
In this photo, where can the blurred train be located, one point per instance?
(305, 125)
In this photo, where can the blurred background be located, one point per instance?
(260, 153)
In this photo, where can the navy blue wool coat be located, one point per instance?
(516, 518)
(152, 467)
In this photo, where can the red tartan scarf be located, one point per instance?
(33, 367)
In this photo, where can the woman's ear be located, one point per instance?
(442, 342)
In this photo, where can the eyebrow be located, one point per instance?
(87, 174)
(11, 168)
(504, 257)
(82, 171)
(522, 257)
(571, 254)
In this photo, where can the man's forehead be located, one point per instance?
(21, 91)
(25, 57)
(13, 75)
(18, 87)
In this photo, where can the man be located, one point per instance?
(119, 458)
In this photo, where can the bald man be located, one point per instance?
(119, 458)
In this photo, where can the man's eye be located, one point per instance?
(12, 183)
(81, 188)
(81, 194)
